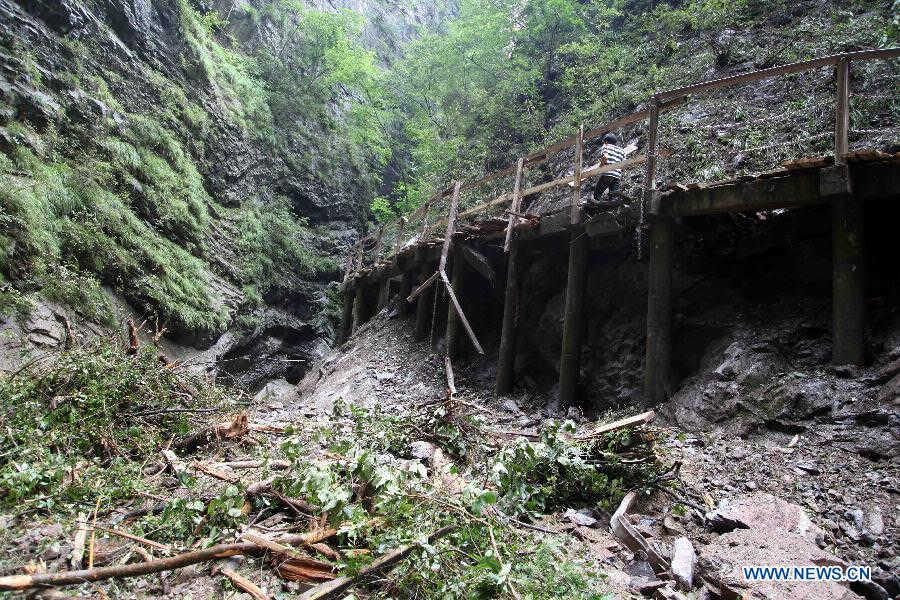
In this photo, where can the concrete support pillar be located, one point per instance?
(849, 281)
(359, 306)
(573, 327)
(457, 276)
(658, 357)
(346, 316)
(423, 305)
(507, 360)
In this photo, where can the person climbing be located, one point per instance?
(610, 152)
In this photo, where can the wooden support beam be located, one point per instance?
(573, 327)
(797, 188)
(575, 214)
(347, 316)
(849, 281)
(507, 359)
(650, 178)
(451, 227)
(424, 302)
(842, 111)
(462, 315)
(659, 309)
(451, 338)
(426, 283)
(515, 203)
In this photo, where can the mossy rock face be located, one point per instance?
(137, 154)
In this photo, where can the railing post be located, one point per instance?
(515, 204)
(842, 112)
(650, 179)
(575, 216)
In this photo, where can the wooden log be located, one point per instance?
(842, 111)
(573, 327)
(506, 361)
(659, 310)
(333, 589)
(24, 582)
(848, 281)
(451, 337)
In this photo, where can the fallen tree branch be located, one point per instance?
(264, 488)
(245, 585)
(620, 424)
(24, 582)
(341, 584)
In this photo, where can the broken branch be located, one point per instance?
(24, 582)
(335, 587)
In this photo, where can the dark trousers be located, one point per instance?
(606, 182)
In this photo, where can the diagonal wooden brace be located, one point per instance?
(422, 287)
(462, 315)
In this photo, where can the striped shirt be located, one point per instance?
(613, 154)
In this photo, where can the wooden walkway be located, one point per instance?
(407, 256)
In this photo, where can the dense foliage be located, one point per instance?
(505, 77)
(86, 421)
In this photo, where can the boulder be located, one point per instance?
(721, 562)
(682, 565)
(762, 512)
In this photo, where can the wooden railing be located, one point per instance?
(417, 220)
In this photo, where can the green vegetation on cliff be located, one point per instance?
(505, 78)
(121, 189)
